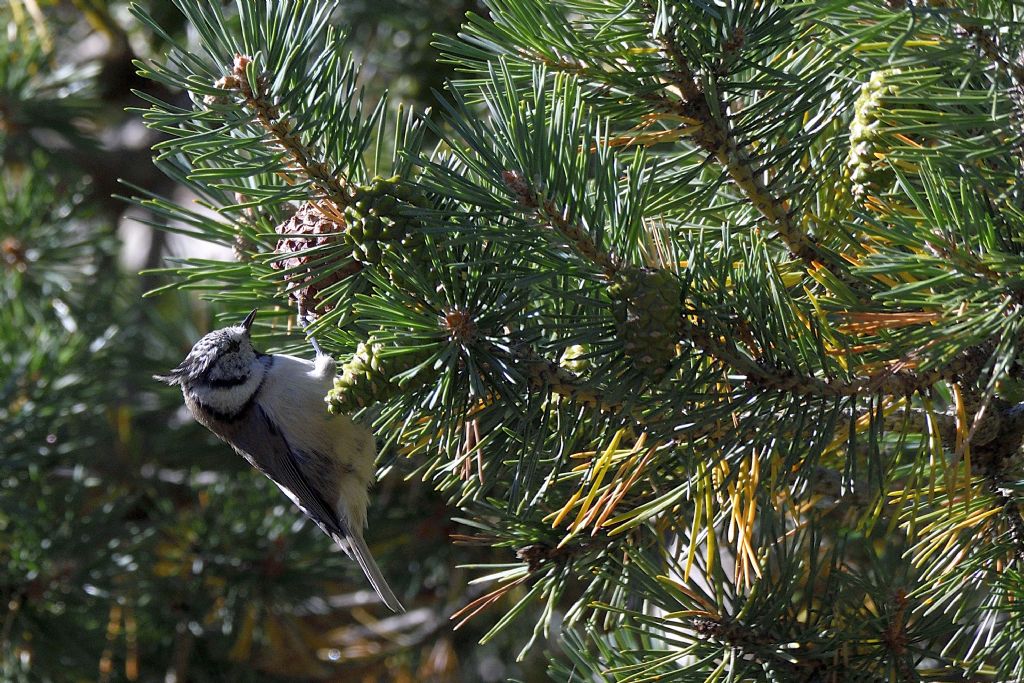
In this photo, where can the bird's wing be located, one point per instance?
(254, 435)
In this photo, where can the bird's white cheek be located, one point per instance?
(228, 399)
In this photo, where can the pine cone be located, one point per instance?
(866, 171)
(646, 308)
(381, 219)
(368, 377)
(305, 230)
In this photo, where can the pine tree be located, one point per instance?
(702, 318)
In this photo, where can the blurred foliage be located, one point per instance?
(393, 42)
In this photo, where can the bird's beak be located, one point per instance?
(247, 323)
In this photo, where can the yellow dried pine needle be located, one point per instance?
(881, 45)
(743, 513)
(934, 445)
(751, 517)
(600, 468)
(903, 138)
(623, 489)
(832, 345)
(712, 545)
(690, 613)
(594, 511)
(597, 512)
(961, 416)
(977, 518)
(933, 534)
(479, 604)
(582, 455)
(567, 507)
(870, 322)
(559, 515)
(691, 554)
(963, 445)
(933, 545)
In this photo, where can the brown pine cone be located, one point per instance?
(313, 271)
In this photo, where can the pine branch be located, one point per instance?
(892, 382)
(988, 45)
(281, 130)
(548, 213)
(547, 375)
(710, 131)
(897, 640)
(797, 665)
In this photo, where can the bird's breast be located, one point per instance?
(293, 395)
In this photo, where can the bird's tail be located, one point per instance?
(354, 545)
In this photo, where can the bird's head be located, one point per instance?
(222, 358)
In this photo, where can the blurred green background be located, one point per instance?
(133, 545)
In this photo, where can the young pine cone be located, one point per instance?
(868, 172)
(369, 377)
(381, 217)
(646, 308)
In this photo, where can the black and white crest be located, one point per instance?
(220, 358)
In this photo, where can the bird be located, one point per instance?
(270, 409)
